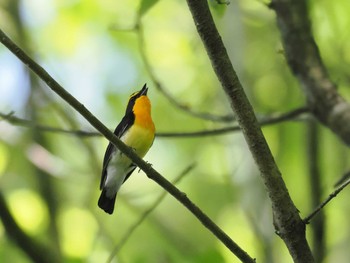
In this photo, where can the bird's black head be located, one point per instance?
(135, 96)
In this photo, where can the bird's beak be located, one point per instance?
(144, 90)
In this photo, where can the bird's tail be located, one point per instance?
(106, 202)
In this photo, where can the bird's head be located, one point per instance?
(139, 101)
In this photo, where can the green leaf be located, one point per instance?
(146, 5)
(219, 7)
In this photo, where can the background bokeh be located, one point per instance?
(101, 52)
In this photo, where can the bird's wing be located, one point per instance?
(132, 167)
(123, 126)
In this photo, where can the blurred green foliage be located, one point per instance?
(93, 49)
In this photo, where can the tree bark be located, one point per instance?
(305, 61)
(286, 217)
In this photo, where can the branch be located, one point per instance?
(138, 28)
(160, 87)
(291, 115)
(287, 220)
(315, 181)
(129, 152)
(269, 120)
(305, 61)
(45, 182)
(324, 203)
(30, 124)
(127, 235)
(37, 252)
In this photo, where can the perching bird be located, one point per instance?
(136, 130)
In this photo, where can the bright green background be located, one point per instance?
(91, 49)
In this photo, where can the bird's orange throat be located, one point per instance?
(142, 112)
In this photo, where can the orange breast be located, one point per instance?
(142, 112)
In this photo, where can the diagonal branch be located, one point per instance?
(160, 87)
(286, 217)
(129, 152)
(138, 29)
(305, 61)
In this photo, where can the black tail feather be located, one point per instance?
(106, 203)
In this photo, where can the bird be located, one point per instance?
(136, 130)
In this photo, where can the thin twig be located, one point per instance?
(138, 28)
(268, 120)
(145, 214)
(288, 116)
(129, 152)
(160, 87)
(325, 202)
(11, 118)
